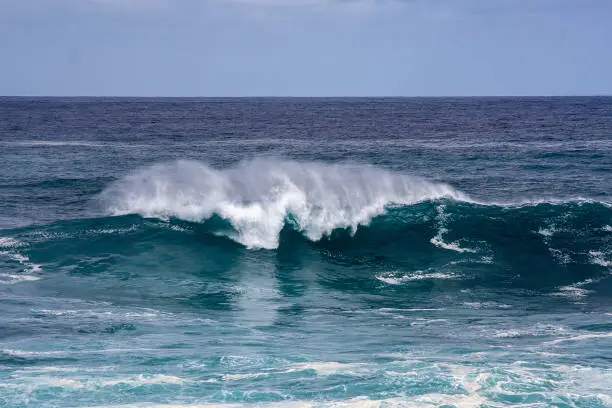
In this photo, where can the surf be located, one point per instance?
(254, 201)
(257, 197)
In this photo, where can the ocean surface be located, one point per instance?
(306, 252)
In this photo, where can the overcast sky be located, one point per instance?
(305, 47)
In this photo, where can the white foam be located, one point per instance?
(438, 239)
(26, 353)
(96, 382)
(547, 232)
(235, 377)
(458, 400)
(327, 367)
(15, 256)
(392, 278)
(503, 334)
(472, 386)
(530, 202)
(65, 369)
(8, 242)
(142, 315)
(257, 196)
(404, 357)
(487, 305)
(487, 259)
(575, 290)
(113, 231)
(30, 267)
(323, 368)
(597, 258)
(9, 278)
(453, 246)
(217, 405)
(606, 228)
(145, 380)
(562, 257)
(582, 337)
(537, 330)
(427, 322)
(42, 381)
(428, 400)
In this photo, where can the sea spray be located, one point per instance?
(257, 196)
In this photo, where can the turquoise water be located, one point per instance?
(306, 253)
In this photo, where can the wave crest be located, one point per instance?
(257, 197)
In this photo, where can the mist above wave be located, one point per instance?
(257, 197)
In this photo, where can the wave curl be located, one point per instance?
(257, 197)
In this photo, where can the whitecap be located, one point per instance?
(236, 377)
(28, 353)
(257, 196)
(394, 278)
(327, 367)
(575, 290)
(141, 315)
(438, 240)
(581, 337)
(145, 379)
(487, 305)
(11, 278)
(453, 246)
(547, 232)
(562, 257)
(8, 242)
(597, 258)
(24, 260)
(537, 330)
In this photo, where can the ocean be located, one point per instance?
(265, 252)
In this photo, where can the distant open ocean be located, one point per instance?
(306, 252)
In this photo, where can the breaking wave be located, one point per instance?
(258, 197)
(254, 202)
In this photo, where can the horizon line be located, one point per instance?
(303, 97)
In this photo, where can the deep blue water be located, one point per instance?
(306, 252)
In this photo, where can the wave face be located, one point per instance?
(258, 197)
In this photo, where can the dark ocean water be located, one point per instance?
(306, 252)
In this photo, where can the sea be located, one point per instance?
(296, 252)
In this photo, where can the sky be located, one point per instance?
(216, 48)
